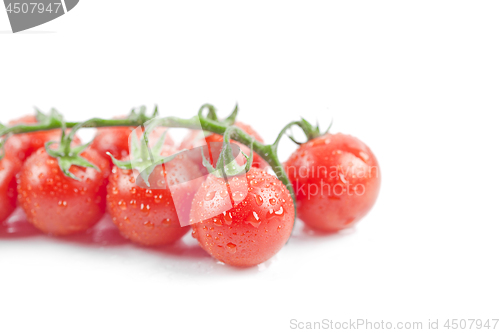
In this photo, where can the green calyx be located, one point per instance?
(212, 114)
(144, 158)
(140, 115)
(53, 118)
(309, 130)
(226, 165)
(65, 154)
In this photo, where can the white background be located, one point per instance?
(417, 81)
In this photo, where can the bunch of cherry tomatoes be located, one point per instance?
(335, 179)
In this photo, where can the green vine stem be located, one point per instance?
(267, 152)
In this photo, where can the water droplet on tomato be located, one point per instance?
(209, 196)
(217, 221)
(145, 209)
(272, 201)
(258, 200)
(231, 247)
(149, 224)
(238, 196)
(364, 156)
(122, 204)
(227, 217)
(166, 222)
(148, 193)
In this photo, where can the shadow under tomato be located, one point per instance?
(304, 233)
(103, 234)
(17, 226)
(185, 248)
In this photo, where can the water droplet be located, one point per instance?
(158, 198)
(258, 200)
(238, 196)
(217, 221)
(166, 222)
(122, 204)
(148, 193)
(227, 218)
(272, 201)
(364, 156)
(145, 209)
(231, 247)
(133, 190)
(133, 203)
(49, 181)
(114, 190)
(149, 224)
(62, 204)
(342, 178)
(280, 211)
(223, 193)
(209, 196)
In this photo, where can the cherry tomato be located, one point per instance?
(57, 204)
(243, 222)
(23, 145)
(116, 140)
(196, 139)
(151, 216)
(9, 167)
(336, 179)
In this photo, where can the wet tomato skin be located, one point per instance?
(59, 205)
(116, 140)
(149, 216)
(252, 231)
(24, 145)
(9, 167)
(336, 179)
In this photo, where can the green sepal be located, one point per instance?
(231, 119)
(2, 148)
(310, 131)
(144, 158)
(140, 115)
(66, 155)
(53, 118)
(226, 165)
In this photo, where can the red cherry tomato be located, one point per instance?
(57, 204)
(150, 216)
(196, 139)
(116, 140)
(9, 167)
(252, 231)
(336, 179)
(23, 145)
